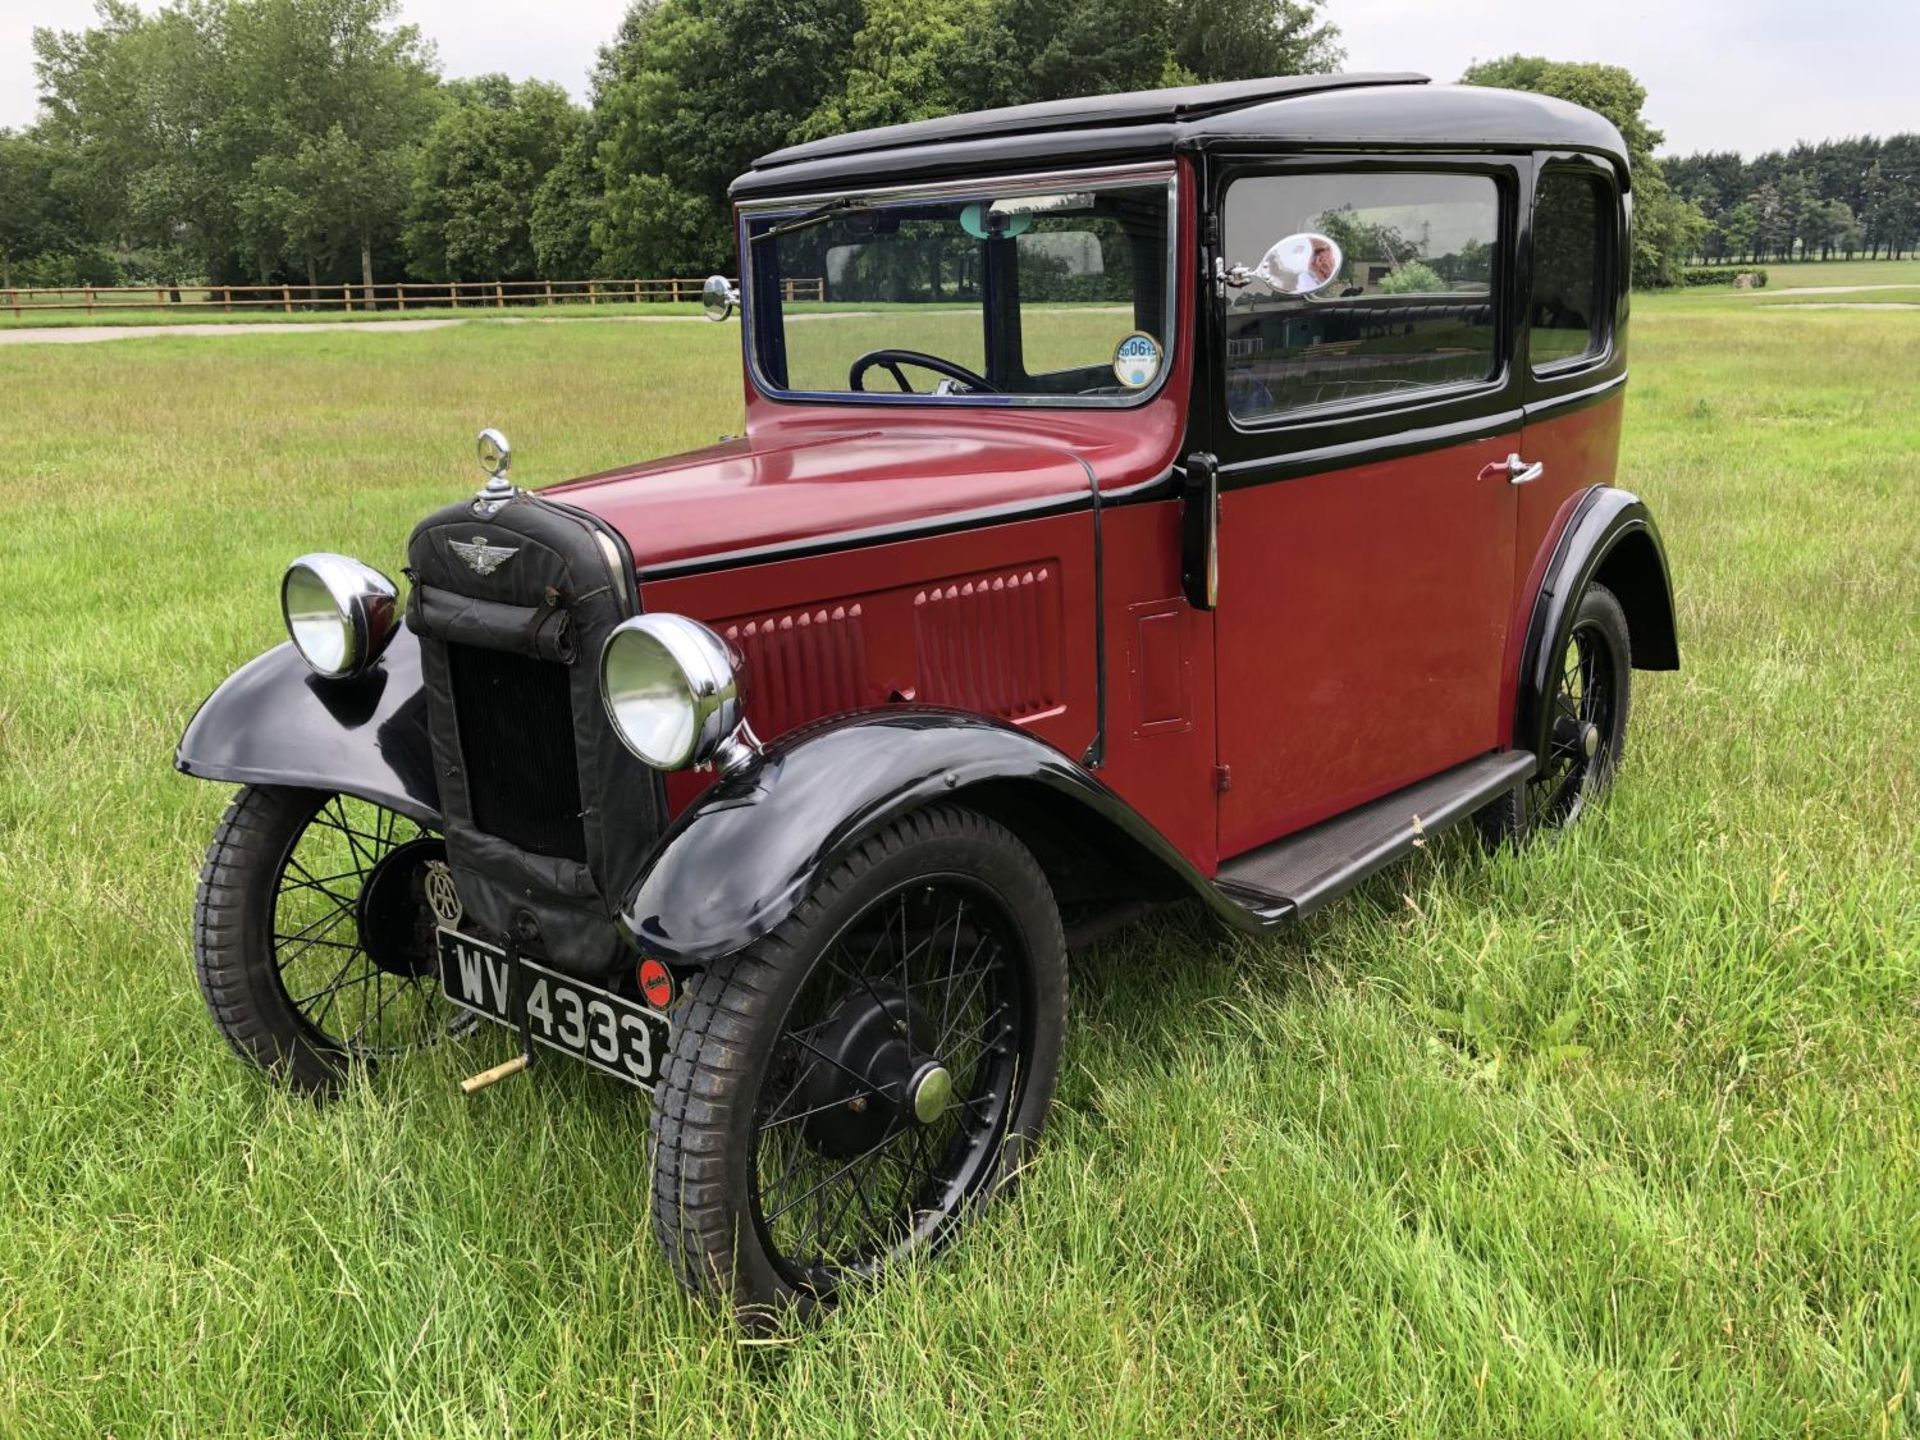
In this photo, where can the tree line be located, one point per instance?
(315, 141)
(1858, 196)
(234, 141)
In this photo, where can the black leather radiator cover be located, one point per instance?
(548, 816)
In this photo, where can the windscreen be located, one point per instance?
(1052, 294)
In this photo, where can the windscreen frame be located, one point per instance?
(761, 283)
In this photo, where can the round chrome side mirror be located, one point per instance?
(718, 297)
(1301, 264)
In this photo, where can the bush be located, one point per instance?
(87, 265)
(1694, 275)
(1416, 277)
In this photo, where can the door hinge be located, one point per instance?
(1223, 778)
(1200, 531)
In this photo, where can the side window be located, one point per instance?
(1393, 291)
(1567, 312)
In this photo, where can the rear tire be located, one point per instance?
(1592, 700)
(818, 1045)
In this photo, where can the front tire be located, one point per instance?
(313, 935)
(847, 1091)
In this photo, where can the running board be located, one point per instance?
(1296, 875)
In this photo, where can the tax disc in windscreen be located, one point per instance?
(1136, 360)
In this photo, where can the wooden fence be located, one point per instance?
(401, 295)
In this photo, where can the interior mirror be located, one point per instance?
(718, 297)
(1300, 264)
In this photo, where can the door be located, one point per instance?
(1366, 522)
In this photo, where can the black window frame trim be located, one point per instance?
(1308, 442)
(1614, 272)
(1120, 175)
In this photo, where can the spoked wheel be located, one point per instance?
(848, 1091)
(891, 1083)
(314, 933)
(1587, 726)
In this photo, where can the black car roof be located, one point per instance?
(1388, 110)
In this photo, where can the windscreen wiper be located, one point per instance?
(844, 205)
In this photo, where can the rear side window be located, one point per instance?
(1354, 287)
(1572, 230)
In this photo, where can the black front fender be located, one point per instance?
(742, 857)
(274, 722)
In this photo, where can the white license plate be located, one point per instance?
(608, 1031)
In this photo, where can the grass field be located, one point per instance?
(1886, 295)
(1619, 1137)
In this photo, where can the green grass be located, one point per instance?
(1619, 1137)
(1891, 295)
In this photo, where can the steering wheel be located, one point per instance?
(892, 360)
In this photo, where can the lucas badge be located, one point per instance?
(482, 558)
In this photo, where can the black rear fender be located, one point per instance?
(1612, 541)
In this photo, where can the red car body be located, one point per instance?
(1369, 632)
(1204, 629)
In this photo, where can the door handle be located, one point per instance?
(1519, 472)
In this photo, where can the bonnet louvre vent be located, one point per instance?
(992, 644)
(802, 665)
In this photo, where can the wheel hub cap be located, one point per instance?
(396, 925)
(863, 1072)
(931, 1092)
(1590, 740)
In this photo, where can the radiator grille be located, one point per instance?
(991, 644)
(802, 666)
(515, 716)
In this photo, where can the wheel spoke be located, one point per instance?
(837, 1104)
(364, 856)
(841, 1182)
(974, 1101)
(852, 1074)
(334, 992)
(379, 1006)
(906, 946)
(979, 1032)
(316, 882)
(324, 944)
(374, 1006)
(939, 1045)
(882, 1144)
(307, 937)
(953, 956)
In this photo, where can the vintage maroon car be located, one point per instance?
(1199, 494)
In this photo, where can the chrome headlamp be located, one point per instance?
(340, 613)
(673, 691)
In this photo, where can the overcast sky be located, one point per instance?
(1746, 75)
